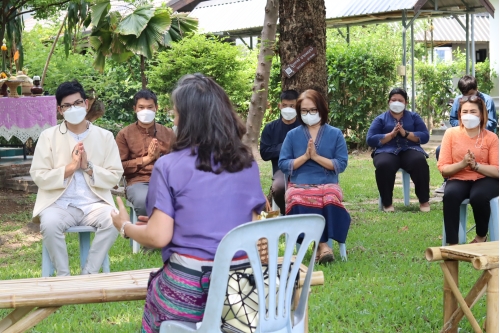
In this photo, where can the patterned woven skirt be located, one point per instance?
(322, 199)
(174, 293)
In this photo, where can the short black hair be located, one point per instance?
(467, 83)
(398, 91)
(69, 88)
(146, 94)
(289, 95)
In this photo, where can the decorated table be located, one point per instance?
(26, 117)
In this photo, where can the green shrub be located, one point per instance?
(229, 66)
(360, 75)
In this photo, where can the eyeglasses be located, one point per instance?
(66, 106)
(310, 111)
(472, 98)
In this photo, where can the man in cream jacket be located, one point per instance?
(75, 166)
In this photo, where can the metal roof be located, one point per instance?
(217, 16)
(245, 17)
(448, 30)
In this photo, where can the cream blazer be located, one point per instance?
(53, 153)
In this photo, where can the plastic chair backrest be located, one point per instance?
(244, 238)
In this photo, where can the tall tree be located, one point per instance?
(258, 101)
(303, 24)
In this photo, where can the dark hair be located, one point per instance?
(467, 83)
(482, 110)
(69, 88)
(318, 100)
(146, 94)
(398, 91)
(289, 95)
(209, 126)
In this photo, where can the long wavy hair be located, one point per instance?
(209, 126)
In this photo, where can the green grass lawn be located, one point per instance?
(385, 286)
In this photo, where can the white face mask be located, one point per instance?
(146, 116)
(174, 128)
(288, 113)
(310, 119)
(397, 107)
(75, 115)
(470, 121)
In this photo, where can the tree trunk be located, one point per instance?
(143, 74)
(258, 101)
(303, 24)
(52, 51)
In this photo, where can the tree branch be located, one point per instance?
(42, 7)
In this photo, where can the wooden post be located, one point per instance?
(492, 303)
(14, 317)
(31, 320)
(449, 300)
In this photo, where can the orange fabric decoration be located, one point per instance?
(16, 55)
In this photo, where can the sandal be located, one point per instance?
(474, 241)
(325, 257)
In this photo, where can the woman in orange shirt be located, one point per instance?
(469, 159)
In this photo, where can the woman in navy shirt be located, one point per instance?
(396, 136)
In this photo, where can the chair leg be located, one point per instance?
(493, 225)
(406, 186)
(47, 267)
(105, 264)
(136, 247)
(84, 247)
(462, 227)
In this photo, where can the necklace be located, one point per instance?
(477, 139)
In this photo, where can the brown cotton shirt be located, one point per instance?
(133, 143)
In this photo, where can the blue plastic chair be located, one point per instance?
(84, 235)
(462, 227)
(406, 189)
(244, 238)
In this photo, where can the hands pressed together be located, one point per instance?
(153, 151)
(311, 151)
(79, 157)
(469, 160)
(397, 129)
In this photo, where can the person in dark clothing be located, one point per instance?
(272, 138)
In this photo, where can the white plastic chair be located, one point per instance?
(406, 189)
(462, 227)
(245, 238)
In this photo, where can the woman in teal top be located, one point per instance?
(312, 156)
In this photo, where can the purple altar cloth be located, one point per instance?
(26, 117)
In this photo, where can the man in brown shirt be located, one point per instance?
(140, 145)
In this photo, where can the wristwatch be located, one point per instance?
(122, 230)
(90, 166)
(406, 134)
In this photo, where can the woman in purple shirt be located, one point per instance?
(208, 185)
